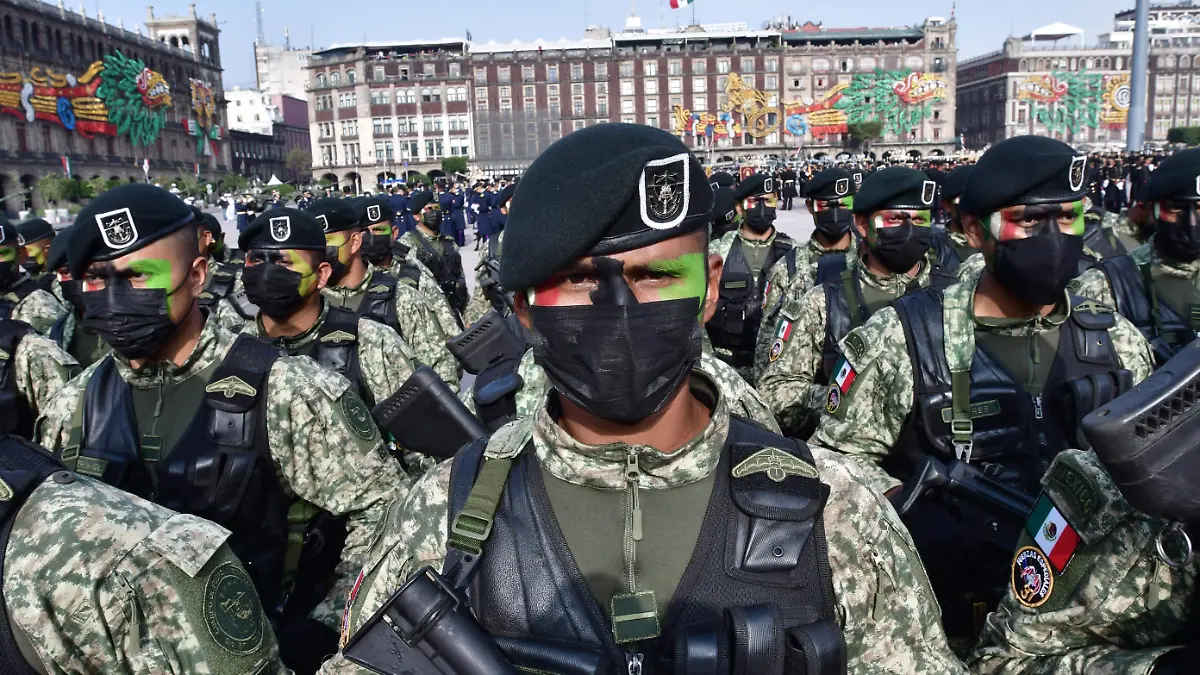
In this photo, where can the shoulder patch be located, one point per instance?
(1081, 489)
(1032, 578)
(1073, 490)
(357, 416)
(187, 542)
(777, 464)
(232, 613)
(854, 346)
(510, 439)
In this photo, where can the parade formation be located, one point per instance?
(952, 430)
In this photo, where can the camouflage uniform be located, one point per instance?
(42, 368)
(479, 304)
(1126, 230)
(1094, 283)
(412, 239)
(318, 457)
(418, 324)
(429, 288)
(780, 283)
(873, 412)
(39, 309)
(229, 318)
(1115, 609)
(99, 349)
(787, 378)
(98, 581)
(883, 601)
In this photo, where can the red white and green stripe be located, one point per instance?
(785, 330)
(676, 4)
(1052, 533)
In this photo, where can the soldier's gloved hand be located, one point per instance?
(305, 643)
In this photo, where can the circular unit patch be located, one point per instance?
(358, 417)
(835, 399)
(1032, 578)
(232, 612)
(776, 350)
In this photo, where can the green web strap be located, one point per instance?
(962, 428)
(850, 290)
(473, 524)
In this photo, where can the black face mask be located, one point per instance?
(899, 248)
(1037, 269)
(376, 247)
(9, 272)
(274, 288)
(339, 268)
(1178, 240)
(618, 359)
(133, 321)
(834, 223)
(760, 218)
(73, 293)
(432, 218)
(31, 266)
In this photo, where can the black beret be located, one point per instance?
(896, 187)
(830, 184)
(724, 206)
(35, 229)
(419, 200)
(505, 195)
(1025, 170)
(720, 179)
(283, 228)
(333, 214)
(8, 233)
(603, 189)
(955, 181)
(1176, 178)
(935, 175)
(57, 256)
(374, 210)
(123, 220)
(754, 185)
(209, 222)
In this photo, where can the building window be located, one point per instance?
(381, 97)
(406, 96)
(577, 106)
(349, 128)
(651, 105)
(723, 66)
(433, 148)
(505, 92)
(321, 81)
(675, 85)
(528, 104)
(650, 87)
(820, 65)
(601, 69)
(553, 104)
(529, 92)
(700, 103)
(627, 69)
(504, 75)
(652, 121)
(382, 126)
(771, 82)
(429, 69)
(772, 65)
(456, 94)
(552, 73)
(601, 89)
(627, 107)
(481, 76)
(576, 71)
(351, 77)
(379, 75)
(650, 68)
(699, 66)
(455, 69)
(675, 67)
(481, 94)
(748, 64)
(527, 73)
(627, 87)
(335, 79)
(602, 108)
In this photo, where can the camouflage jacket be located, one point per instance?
(99, 581)
(227, 316)
(1126, 230)
(793, 346)
(1094, 283)
(870, 415)
(779, 283)
(434, 296)
(479, 304)
(883, 600)
(320, 456)
(41, 369)
(418, 324)
(39, 309)
(1116, 607)
(70, 325)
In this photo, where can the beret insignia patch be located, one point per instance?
(231, 610)
(1032, 578)
(373, 213)
(324, 222)
(715, 186)
(663, 192)
(841, 187)
(20, 239)
(858, 178)
(768, 185)
(117, 228)
(928, 190)
(281, 228)
(1077, 166)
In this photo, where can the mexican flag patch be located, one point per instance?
(1052, 533)
(844, 375)
(785, 330)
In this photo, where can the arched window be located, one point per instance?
(1185, 62)
(174, 41)
(351, 76)
(1022, 66)
(320, 80)
(36, 32)
(1105, 63)
(335, 79)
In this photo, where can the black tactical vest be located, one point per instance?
(13, 296)
(16, 416)
(740, 305)
(947, 256)
(336, 349)
(23, 467)
(1096, 238)
(1131, 286)
(220, 286)
(221, 468)
(830, 267)
(446, 267)
(769, 539)
(379, 302)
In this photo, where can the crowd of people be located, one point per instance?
(948, 433)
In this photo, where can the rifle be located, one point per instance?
(967, 482)
(425, 416)
(491, 351)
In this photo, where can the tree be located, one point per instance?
(866, 131)
(96, 186)
(233, 182)
(418, 177)
(1187, 135)
(454, 165)
(298, 162)
(54, 188)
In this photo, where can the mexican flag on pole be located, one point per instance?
(676, 4)
(1053, 534)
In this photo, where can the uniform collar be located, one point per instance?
(1171, 268)
(351, 291)
(963, 295)
(212, 346)
(819, 249)
(895, 284)
(758, 242)
(294, 343)
(603, 466)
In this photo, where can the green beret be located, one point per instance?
(603, 189)
(955, 181)
(1177, 178)
(831, 184)
(1025, 170)
(283, 228)
(57, 256)
(374, 210)
(896, 187)
(333, 214)
(724, 206)
(419, 200)
(35, 229)
(123, 220)
(8, 233)
(722, 179)
(505, 195)
(755, 184)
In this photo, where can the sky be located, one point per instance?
(982, 24)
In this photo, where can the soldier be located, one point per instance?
(628, 467)
(1154, 286)
(378, 295)
(21, 296)
(305, 199)
(488, 293)
(32, 370)
(892, 219)
(97, 581)
(83, 344)
(1132, 227)
(788, 191)
(749, 252)
(995, 371)
(35, 236)
(457, 216)
(190, 416)
(952, 188)
(223, 293)
(436, 251)
(212, 239)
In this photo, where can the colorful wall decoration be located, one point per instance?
(1064, 101)
(900, 99)
(1114, 108)
(116, 96)
(203, 126)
